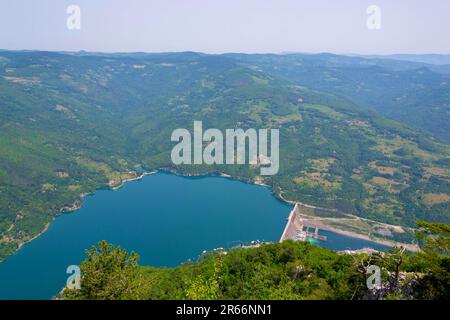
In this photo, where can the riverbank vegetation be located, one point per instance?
(287, 270)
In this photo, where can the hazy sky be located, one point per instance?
(407, 26)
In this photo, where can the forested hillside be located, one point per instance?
(288, 270)
(72, 123)
(411, 92)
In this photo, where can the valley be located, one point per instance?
(75, 123)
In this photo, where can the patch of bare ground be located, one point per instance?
(430, 199)
(20, 80)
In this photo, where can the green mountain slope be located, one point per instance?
(415, 93)
(73, 123)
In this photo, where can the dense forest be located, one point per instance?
(411, 92)
(287, 270)
(73, 123)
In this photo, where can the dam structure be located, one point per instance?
(300, 229)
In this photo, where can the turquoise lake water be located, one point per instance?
(166, 219)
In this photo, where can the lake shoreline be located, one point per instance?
(20, 245)
(386, 242)
(214, 213)
(347, 233)
(79, 203)
(76, 206)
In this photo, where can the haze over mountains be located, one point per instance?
(364, 136)
(438, 59)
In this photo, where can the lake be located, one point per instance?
(165, 218)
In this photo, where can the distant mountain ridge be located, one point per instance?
(409, 92)
(438, 59)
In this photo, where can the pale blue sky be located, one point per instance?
(408, 26)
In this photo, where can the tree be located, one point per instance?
(433, 260)
(393, 260)
(204, 287)
(108, 273)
